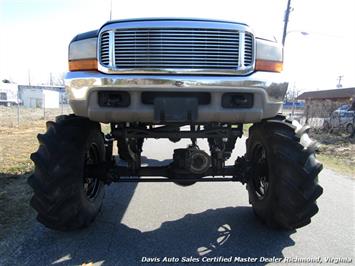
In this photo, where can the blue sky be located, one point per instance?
(37, 32)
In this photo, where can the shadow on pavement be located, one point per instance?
(231, 231)
(226, 232)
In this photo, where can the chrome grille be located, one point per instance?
(154, 49)
(105, 49)
(248, 51)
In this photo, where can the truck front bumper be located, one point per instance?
(268, 90)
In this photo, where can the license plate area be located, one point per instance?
(175, 109)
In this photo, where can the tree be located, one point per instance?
(57, 79)
(291, 95)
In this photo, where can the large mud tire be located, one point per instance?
(283, 186)
(64, 197)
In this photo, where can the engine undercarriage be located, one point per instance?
(189, 165)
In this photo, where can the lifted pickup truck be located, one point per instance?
(174, 79)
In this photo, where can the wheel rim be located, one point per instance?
(261, 175)
(91, 184)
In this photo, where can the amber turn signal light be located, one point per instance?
(83, 64)
(268, 65)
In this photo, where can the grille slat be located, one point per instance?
(174, 48)
(193, 66)
(248, 53)
(177, 44)
(167, 56)
(174, 41)
(175, 59)
(175, 37)
(104, 48)
(201, 48)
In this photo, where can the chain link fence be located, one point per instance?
(15, 116)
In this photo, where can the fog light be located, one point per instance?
(114, 99)
(237, 100)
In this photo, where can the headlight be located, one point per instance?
(269, 56)
(82, 54)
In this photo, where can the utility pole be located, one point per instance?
(44, 105)
(294, 96)
(110, 10)
(29, 77)
(287, 15)
(50, 79)
(61, 93)
(18, 106)
(340, 77)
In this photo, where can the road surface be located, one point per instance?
(207, 221)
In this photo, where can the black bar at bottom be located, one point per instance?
(213, 179)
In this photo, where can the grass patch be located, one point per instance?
(16, 146)
(336, 151)
(337, 164)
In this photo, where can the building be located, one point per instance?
(8, 94)
(322, 103)
(41, 96)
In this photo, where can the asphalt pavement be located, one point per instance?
(205, 224)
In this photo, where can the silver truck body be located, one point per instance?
(175, 55)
